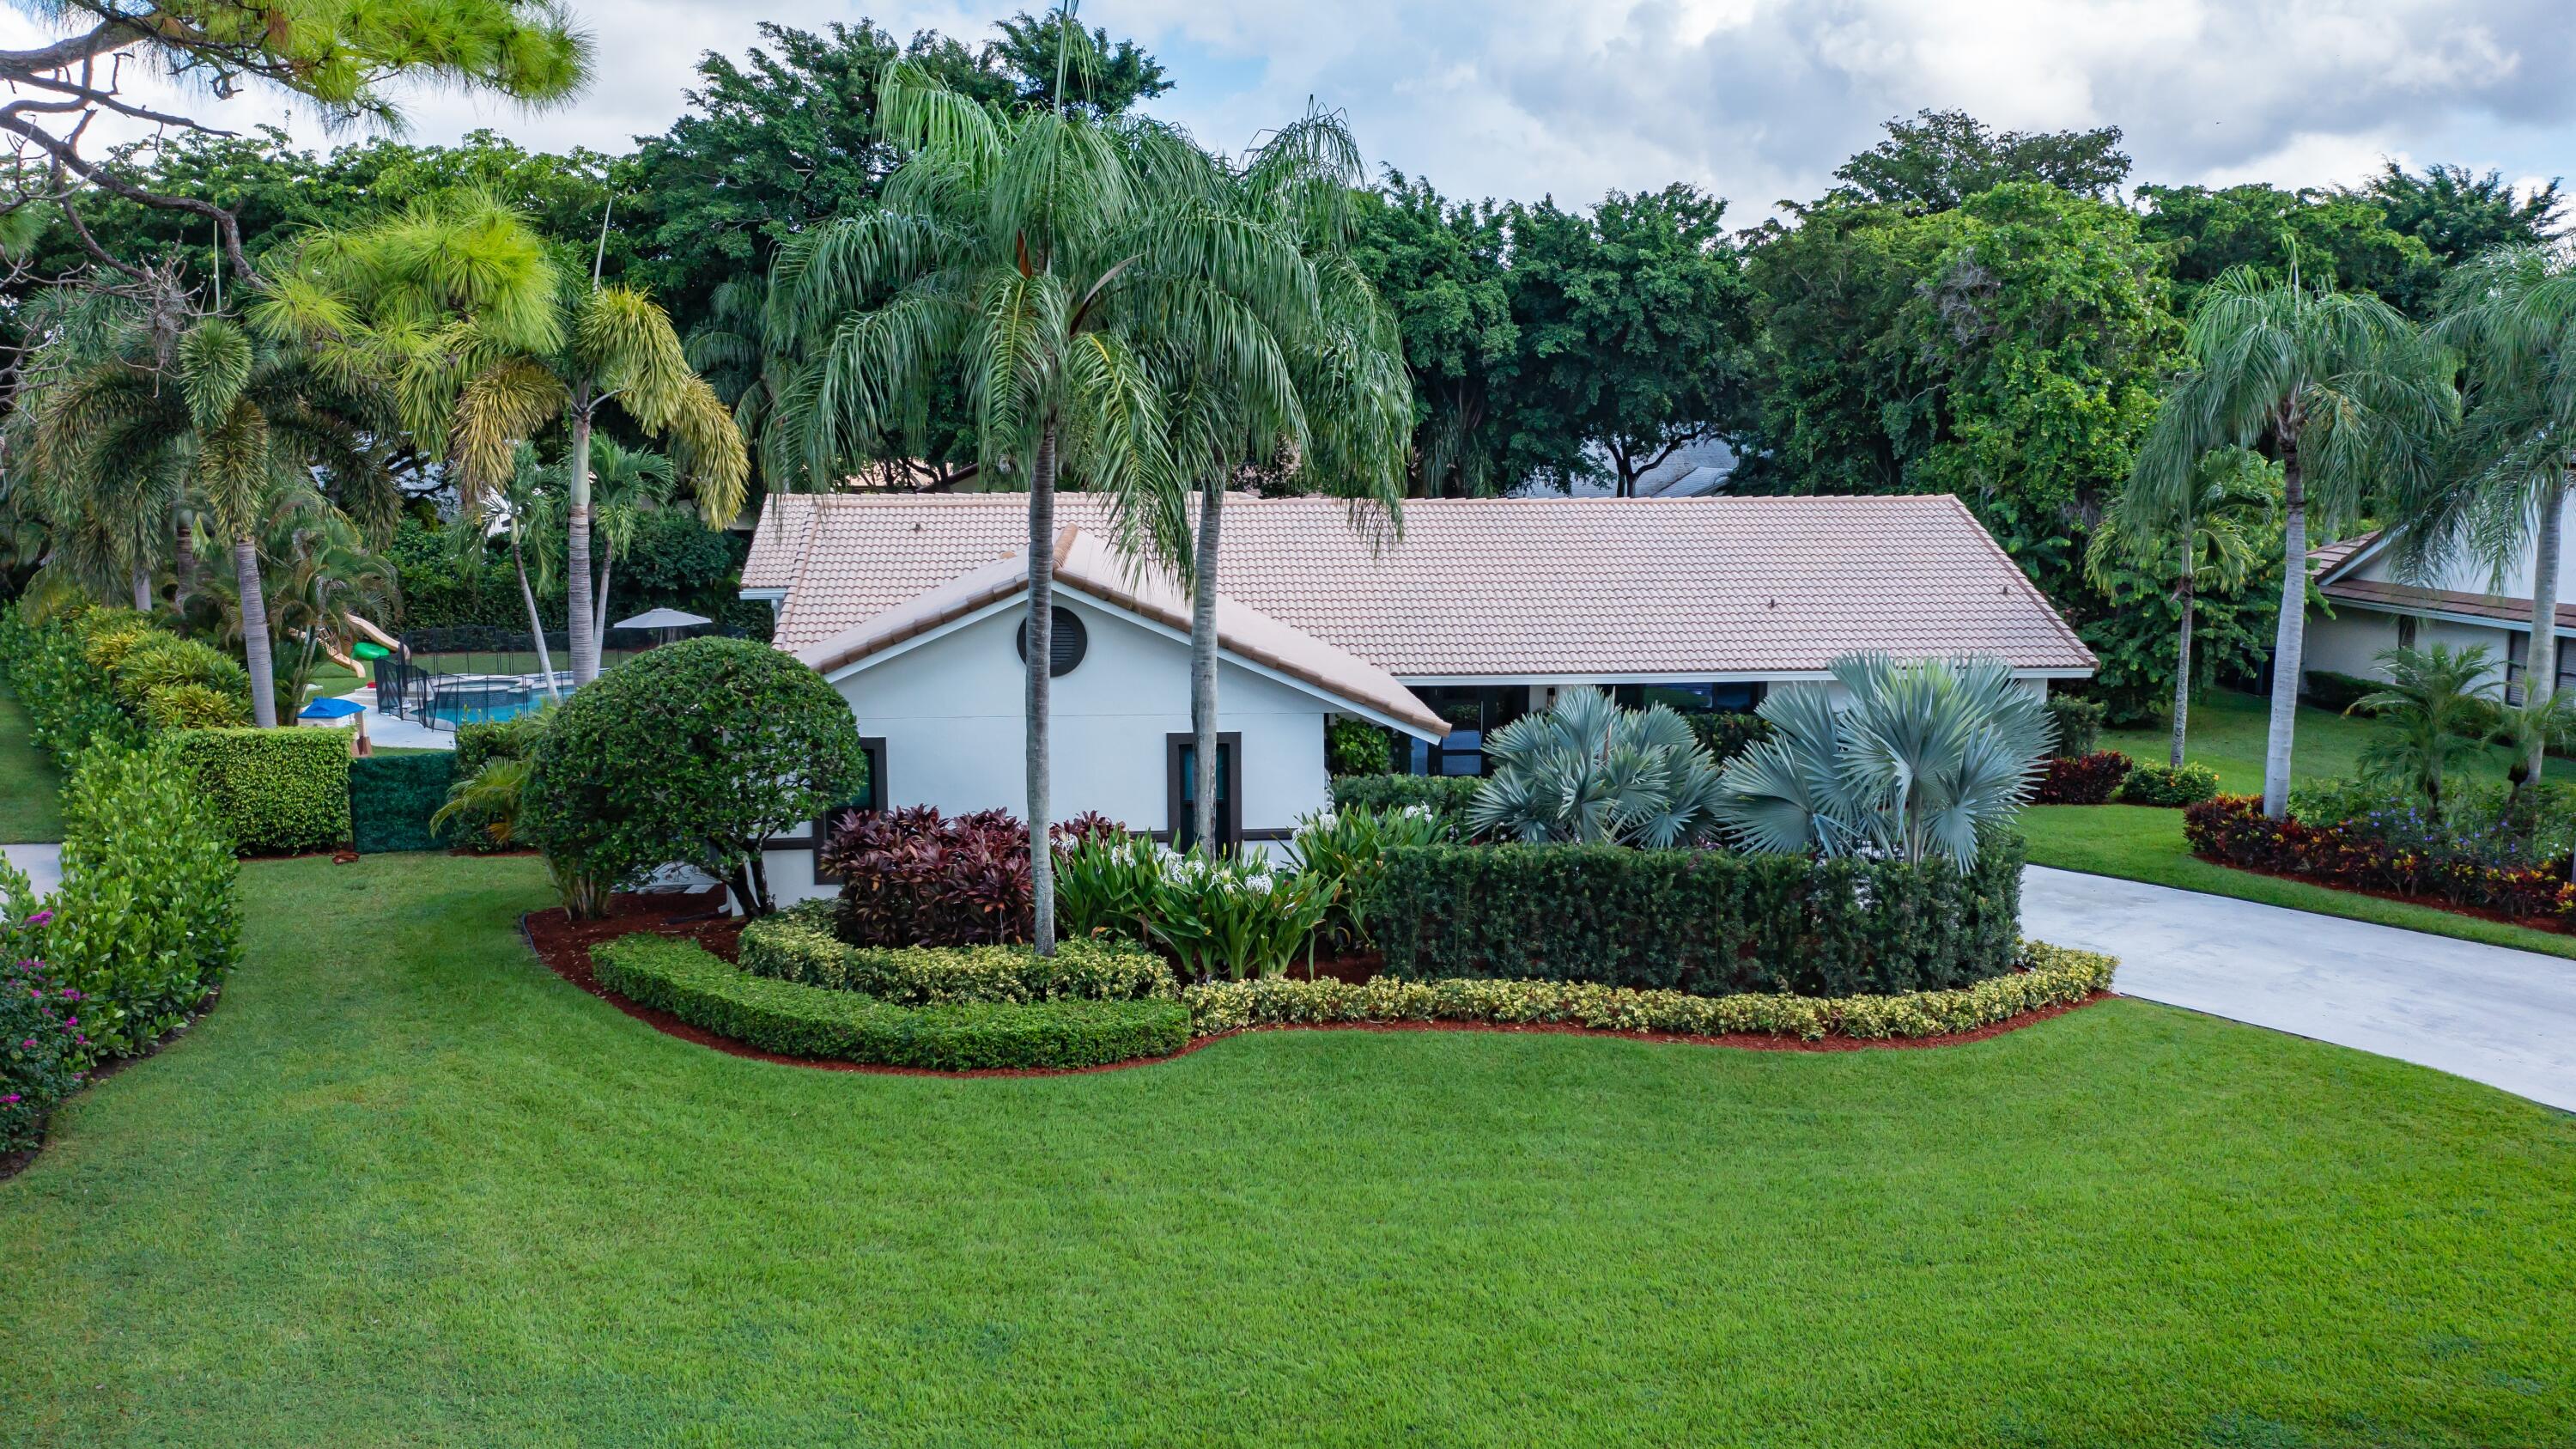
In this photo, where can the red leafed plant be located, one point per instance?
(2082, 779)
(914, 877)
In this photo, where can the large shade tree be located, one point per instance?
(2342, 390)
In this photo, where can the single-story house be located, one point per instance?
(1480, 611)
(2369, 608)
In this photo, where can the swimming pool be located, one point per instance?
(470, 701)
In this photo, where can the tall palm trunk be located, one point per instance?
(254, 623)
(2293, 630)
(142, 590)
(1041, 655)
(577, 585)
(185, 549)
(2540, 662)
(536, 622)
(2182, 659)
(1203, 670)
(599, 615)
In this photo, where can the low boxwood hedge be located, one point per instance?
(2049, 976)
(793, 1019)
(1707, 922)
(797, 944)
(279, 791)
(2167, 785)
(391, 798)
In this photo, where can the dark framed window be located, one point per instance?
(1473, 711)
(1737, 697)
(1180, 754)
(2405, 631)
(871, 797)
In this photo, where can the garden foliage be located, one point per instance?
(1356, 747)
(147, 921)
(2165, 785)
(71, 702)
(797, 944)
(2047, 976)
(2090, 779)
(1444, 795)
(1591, 772)
(1348, 850)
(1706, 922)
(2078, 722)
(914, 877)
(42, 1044)
(697, 752)
(2398, 847)
(794, 1019)
(278, 791)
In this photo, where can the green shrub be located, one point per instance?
(480, 742)
(1105, 884)
(277, 791)
(1726, 734)
(1702, 921)
(391, 798)
(71, 703)
(2079, 723)
(1356, 747)
(2048, 976)
(797, 944)
(106, 645)
(797, 1020)
(2165, 785)
(41, 1042)
(1231, 918)
(2338, 692)
(166, 659)
(698, 752)
(1448, 796)
(146, 922)
(193, 707)
(1347, 850)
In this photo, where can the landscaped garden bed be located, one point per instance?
(2396, 851)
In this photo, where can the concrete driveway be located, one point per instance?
(2488, 1013)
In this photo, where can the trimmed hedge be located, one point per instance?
(2082, 779)
(797, 944)
(793, 1019)
(2049, 976)
(147, 920)
(278, 791)
(1447, 794)
(1706, 922)
(2233, 830)
(71, 702)
(391, 798)
(2165, 785)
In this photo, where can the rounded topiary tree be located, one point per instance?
(695, 753)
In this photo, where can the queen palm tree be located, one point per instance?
(2439, 707)
(632, 482)
(2502, 491)
(2340, 389)
(1063, 267)
(2209, 545)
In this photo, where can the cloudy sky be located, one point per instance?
(1754, 99)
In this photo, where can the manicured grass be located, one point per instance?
(31, 789)
(2137, 843)
(330, 681)
(2229, 732)
(405, 1186)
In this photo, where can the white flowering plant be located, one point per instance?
(1229, 918)
(1347, 848)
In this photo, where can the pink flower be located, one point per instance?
(40, 918)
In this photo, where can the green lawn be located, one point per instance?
(2227, 734)
(31, 806)
(404, 1186)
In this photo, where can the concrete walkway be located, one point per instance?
(2488, 1013)
(42, 863)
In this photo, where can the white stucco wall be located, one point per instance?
(2351, 641)
(951, 714)
(2471, 577)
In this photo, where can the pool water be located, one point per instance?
(451, 713)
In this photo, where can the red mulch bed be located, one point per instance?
(565, 946)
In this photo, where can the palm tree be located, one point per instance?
(2209, 545)
(2503, 491)
(242, 419)
(1063, 265)
(2439, 705)
(632, 482)
(491, 346)
(1309, 368)
(2340, 389)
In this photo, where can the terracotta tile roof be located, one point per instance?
(1505, 587)
(778, 545)
(1086, 564)
(2406, 598)
(2326, 558)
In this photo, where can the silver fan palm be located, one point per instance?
(1919, 760)
(1590, 772)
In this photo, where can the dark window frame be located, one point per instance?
(1229, 814)
(819, 834)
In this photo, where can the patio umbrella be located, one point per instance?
(328, 708)
(663, 622)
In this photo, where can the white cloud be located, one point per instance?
(1756, 99)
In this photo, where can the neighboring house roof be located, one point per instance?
(1086, 564)
(2510, 612)
(1500, 588)
(2325, 561)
